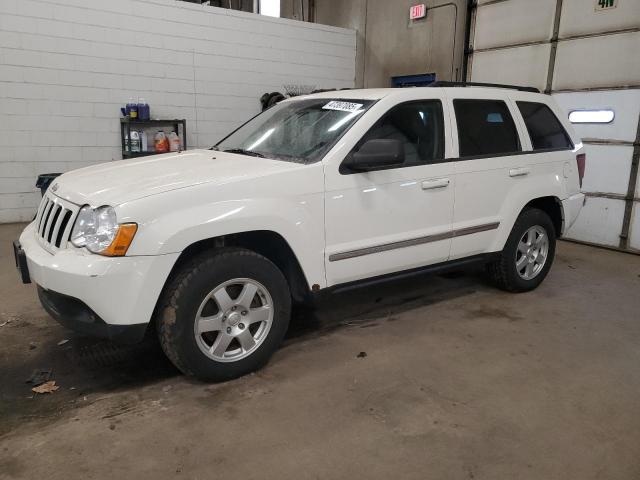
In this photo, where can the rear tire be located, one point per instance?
(527, 255)
(224, 314)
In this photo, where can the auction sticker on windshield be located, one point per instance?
(342, 106)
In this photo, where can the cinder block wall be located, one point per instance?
(66, 66)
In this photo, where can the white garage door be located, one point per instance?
(586, 53)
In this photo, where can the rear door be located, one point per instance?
(489, 145)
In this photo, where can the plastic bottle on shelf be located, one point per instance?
(127, 108)
(135, 141)
(144, 112)
(161, 142)
(133, 110)
(174, 142)
(144, 141)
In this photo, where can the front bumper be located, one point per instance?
(21, 262)
(75, 315)
(119, 291)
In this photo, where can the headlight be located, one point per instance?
(97, 229)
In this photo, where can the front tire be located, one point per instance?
(224, 314)
(528, 253)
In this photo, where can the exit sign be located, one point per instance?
(605, 4)
(417, 11)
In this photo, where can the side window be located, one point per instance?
(544, 128)
(485, 128)
(418, 125)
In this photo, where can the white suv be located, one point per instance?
(210, 247)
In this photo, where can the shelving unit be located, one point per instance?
(126, 125)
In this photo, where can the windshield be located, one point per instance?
(298, 131)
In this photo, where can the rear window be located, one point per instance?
(485, 128)
(545, 130)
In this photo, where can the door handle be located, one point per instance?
(439, 183)
(519, 172)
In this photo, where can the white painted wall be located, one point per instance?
(596, 66)
(66, 66)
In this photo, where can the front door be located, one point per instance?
(398, 218)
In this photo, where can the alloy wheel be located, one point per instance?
(233, 320)
(532, 252)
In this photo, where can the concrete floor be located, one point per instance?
(459, 381)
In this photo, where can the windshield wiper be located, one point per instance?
(242, 151)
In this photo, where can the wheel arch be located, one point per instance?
(552, 206)
(267, 243)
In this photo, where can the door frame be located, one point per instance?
(336, 183)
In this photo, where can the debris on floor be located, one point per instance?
(362, 355)
(46, 387)
(62, 342)
(39, 376)
(8, 320)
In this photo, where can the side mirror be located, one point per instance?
(376, 154)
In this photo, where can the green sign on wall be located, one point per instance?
(605, 4)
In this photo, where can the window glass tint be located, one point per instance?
(544, 128)
(418, 125)
(485, 127)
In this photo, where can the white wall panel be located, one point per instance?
(580, 17)
(603, 61)
(518, 66)
(607, 169)
(634, 234)
(624, 103)
(513, 22)
(600, 221)
(66, 67)
(592, 54)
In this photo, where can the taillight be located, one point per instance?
(581, 159)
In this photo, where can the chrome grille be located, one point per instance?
(54, 222)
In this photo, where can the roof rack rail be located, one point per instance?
(479, 84)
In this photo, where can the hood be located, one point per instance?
(122, 181)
